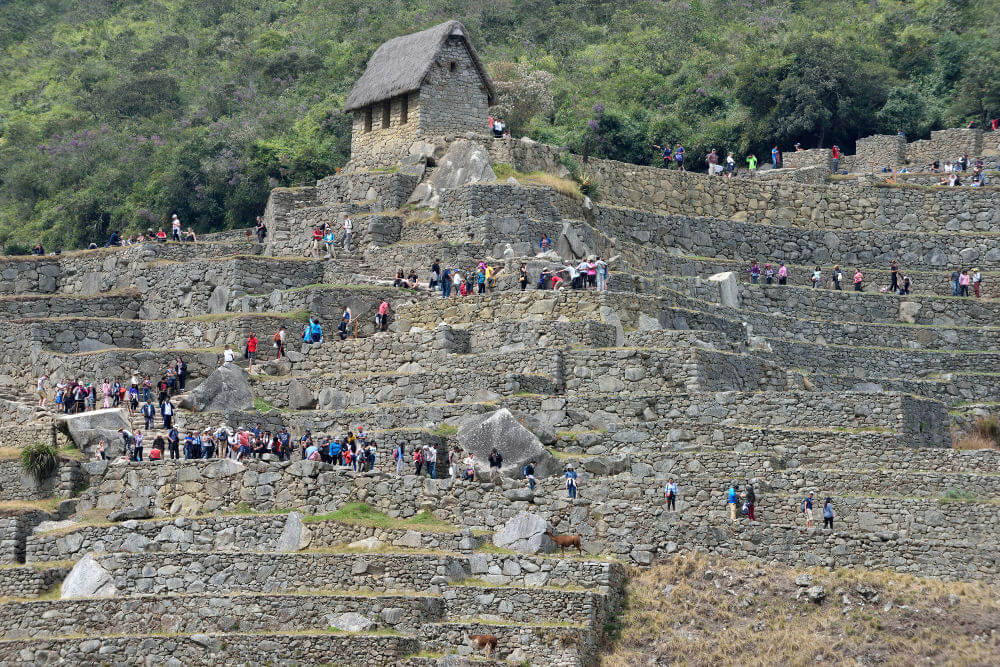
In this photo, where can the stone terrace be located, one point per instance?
(666, 374)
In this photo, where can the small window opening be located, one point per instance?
(386, 113)
(404, 109)
(368, 119)
(452, 66)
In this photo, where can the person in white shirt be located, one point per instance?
(41, 390)
(348, 230)
(670, 495)
(175, 228)
(228, 356)
(430, 460)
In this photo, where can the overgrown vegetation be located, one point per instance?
(701, 610)
(113, 115)
(984, 434)
(39, 460)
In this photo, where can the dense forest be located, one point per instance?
(115, 113)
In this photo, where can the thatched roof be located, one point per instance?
(400, 65)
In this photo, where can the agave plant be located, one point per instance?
(39, 460)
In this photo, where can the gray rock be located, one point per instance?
(300, 398)
(524, 532)
(135, 543)
(391, 615)
(225, 390)
(816, 593)
(465, 162)
(218, 301)
(332, 399)
(479, 434)
(729, 288)
(368, 544)
(542, 430)
(88, 578)
(520, 495)
(570, 244)
(86, 429)
(136, 512)
(803, 580)
(647, 323)
(350, 622)
(411, 539)
(294, 536)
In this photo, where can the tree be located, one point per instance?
(522, 94)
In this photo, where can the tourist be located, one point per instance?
(838, 276)
(782, 274)
(106, 392)
(167, 413)
(963, 283)
(328, 240)
(399, 456)
(571, 481)
(430, 461)
(670, 495)
(955, 280)
(228, 356)
(894, 276)
(835, 155)
(40, 390)
(314, 330)
(126, 442)
(751, 502)
(481, 280)
(857, 280)
(279, 342)
(470, 467)
(382, 318)
(190, 236)
(906, 286)
(544, 243)
(454, 456)
(712, 159)
(752, 164)
(156, 452)
(348, 232)
(732, 496)
(730, 165)
(446, 282)
(418, 460)
(807, 510)
(816, 277)
(180, 369)
(602, 275)
(827, 513)
(496, 461)
(755, 272)
(522, 278)
(251, 349)
(977, 279)
(175, 228)
(679, 157)
(775, 158)
(667, 154)
(161, 236)
(529, 474)
(100, 451)
(768, 274)
(173, 443)
(148, 414)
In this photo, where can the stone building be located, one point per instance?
(420, 87)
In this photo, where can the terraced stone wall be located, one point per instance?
(813, 157)
(388, 191)
(16, 485)
(745, 241)
(29, 582)
(785, 202)
(124, 305)
(879, 150)
(947, 144)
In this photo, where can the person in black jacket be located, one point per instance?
(496, 460)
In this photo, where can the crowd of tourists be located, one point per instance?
(74, 396)
(324, 237)
(962, 280)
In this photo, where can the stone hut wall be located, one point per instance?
(453, 99)
(380, 146)
(814, 157)
(878, 150)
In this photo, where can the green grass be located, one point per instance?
(262, 405)
(445, 430)
(959, 496)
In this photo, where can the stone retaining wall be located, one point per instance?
(124, 305)
(16, 485)
(203, 649)
(28, 581)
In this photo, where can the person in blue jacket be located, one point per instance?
(571, 478)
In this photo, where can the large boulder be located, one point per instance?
(294, 536)
(524, 532)
(479, 434)
(729, 288)
(88, 428)
(300, 398)
(88, 579)
(225, 390)
(465, 162)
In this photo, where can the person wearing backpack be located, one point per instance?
(529, 474)
(828, 513)
(731, 500)
(751, 502)
(279, 342)
(399, 456)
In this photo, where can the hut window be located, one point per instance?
(452, 66)
(404, 109)
(368, 119)
(386, 113)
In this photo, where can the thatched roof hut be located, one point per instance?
(401, 65)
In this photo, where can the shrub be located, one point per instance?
(39, 460)
(988, 428)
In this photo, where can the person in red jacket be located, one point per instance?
(835, 153)
(251, 348)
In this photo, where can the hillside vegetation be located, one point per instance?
(114, 114)
(701, 610)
